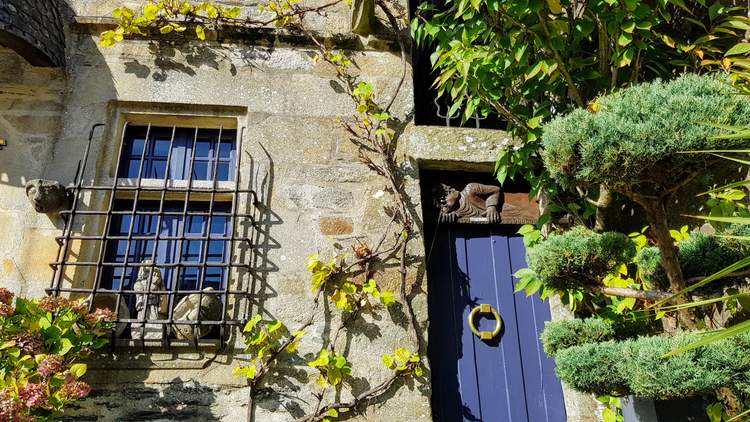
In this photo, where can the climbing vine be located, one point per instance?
(348, 282)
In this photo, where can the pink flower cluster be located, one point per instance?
(76, 389)
(6, 310)
(11, 409)
(33, 395)
(50, 366)
(100, 315)
(53, 303)
(6, 296)
(28, 343)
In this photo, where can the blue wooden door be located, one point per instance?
(509, 378)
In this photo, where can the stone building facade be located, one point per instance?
(314, 192)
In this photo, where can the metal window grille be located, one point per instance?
(174, 206)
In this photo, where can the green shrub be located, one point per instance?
(42, 345)
(636, 367)
(700, 255)
(560, 335)
(593, 367)
(579, 257)
(633, 142)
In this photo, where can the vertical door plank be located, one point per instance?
(542, 390)
(467, 365)
(511, 356)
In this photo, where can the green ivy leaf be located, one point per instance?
(78, 369)
(246, 371)
(388, 360)
(200, 32)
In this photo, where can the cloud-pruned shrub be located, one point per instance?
(579, 257)
(559, 335)
(636, 366)
(633, 142)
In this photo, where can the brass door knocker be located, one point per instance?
(484, 309)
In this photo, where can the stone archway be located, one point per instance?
(35, 30)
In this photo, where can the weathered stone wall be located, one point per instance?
(307, 174)
(31, 105)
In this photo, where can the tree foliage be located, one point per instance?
(529, 60)
(700, 254)
(579, 257)
(637, 366)
(634, 141)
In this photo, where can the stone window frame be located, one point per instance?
(236, 293)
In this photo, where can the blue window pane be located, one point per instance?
(157, 168)
(136, 147)
(226, 148)
(214, 278)
(200, 170)
(203, 149)
(219, 224)
(161, 147)
(189, 278)
(191, 250)
(222, 172)
(216, 251)
(195, 225)
(133, 167)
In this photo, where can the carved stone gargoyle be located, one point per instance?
(48, 196)
(475, 200)
(193, 306)
(148, 306)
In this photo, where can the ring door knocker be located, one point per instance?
(485, 309)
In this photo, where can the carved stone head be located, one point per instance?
(446, 198)
(47, 196)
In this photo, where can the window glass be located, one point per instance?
(202, 146)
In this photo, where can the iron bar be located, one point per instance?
(200, 199)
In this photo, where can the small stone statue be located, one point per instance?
(47, 196)
(475, 200)
(148, 307)
(190, 307)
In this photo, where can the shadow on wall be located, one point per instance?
(187, 58)
(176, 400)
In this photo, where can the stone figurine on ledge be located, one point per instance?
(205, 306)
(48, 196)
(148, 306)
(474, 201)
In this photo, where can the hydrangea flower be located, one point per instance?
(33, 395)
(100, 315)
(6, 310)
(50, 366)
(28, 343)
(53, 303)
(76, 389)
(6, 296)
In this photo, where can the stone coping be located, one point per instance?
(456, 148)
